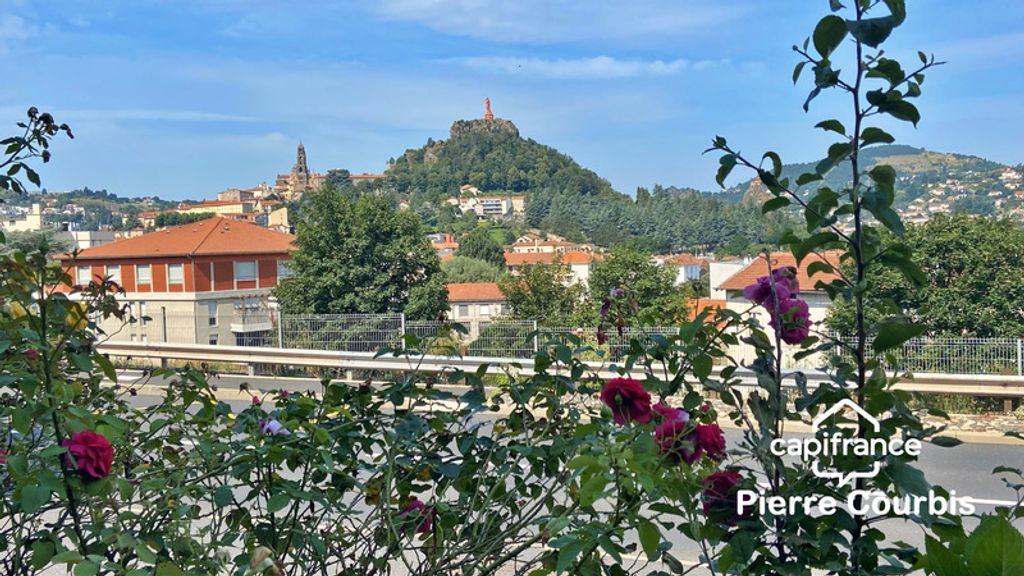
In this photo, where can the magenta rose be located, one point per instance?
(786, 286)
(90, 453)
(719, 496)
(628, 400)
(711, 440)
(416, 508)
(796, 321)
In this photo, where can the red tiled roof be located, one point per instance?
(759, 268)
(682, 260)
(207, 237)
(517, 259)
(474, 292)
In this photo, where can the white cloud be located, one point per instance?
(581, 68)
(543, 21)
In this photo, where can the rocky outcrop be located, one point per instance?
(496, 126)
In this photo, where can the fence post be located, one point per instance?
(536, 338)
(1020, 356)
(163, 332)
(402, 336)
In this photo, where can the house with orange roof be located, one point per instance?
(475, 304)
(207, 282)
(818, 302)
(580, 263)
(687, 266)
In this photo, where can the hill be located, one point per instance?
(928, 182)
(563, 197)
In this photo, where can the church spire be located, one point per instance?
(300, 160)
(488, 115)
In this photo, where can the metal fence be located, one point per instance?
(509, 338)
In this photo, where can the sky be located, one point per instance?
(184, 98)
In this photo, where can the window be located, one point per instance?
(114, 272)
(211, 313)
(463, 310)
(142, 313)
(175, 273)
(485, 310)
(143, 274)
(213, 339)
(245, 271)
(83, 275)
(283, 271)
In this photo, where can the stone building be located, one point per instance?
(300, 180)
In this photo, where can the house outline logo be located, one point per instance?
(845, 478)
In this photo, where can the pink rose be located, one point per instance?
(796, 321)
(786, 286)
(719, 495)
(92, 454)
(628, 400)
(711, 440)
(426, 514)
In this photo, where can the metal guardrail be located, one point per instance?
(975, 385)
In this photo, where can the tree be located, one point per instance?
(480, 244)
(466, 269)
(336, 178)
(650, 285)
(177, 219)
(972, 268)
(360, 256)
(542, 292)
(47, 241)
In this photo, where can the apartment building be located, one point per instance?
(207, 282)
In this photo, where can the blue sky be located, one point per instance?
(183, 98)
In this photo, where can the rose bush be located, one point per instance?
(559, 470)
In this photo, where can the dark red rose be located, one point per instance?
(31, 354)
(719, 496)
(676, 442)
(711, 440)
(417, 508)
(256, 401)
(628, 400)
(3, 456)
(90, 453)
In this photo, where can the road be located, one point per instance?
(967, 468)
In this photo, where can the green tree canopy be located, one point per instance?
(466, 269)
(973, 267)
(361, 256)
(481, 244)
(541, 292)
(651, 285)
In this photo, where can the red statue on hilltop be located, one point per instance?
(488, 115)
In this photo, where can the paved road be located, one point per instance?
(966, 468)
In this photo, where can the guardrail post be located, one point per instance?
(163, 332)
(536, 338)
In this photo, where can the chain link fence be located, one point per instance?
(510, 338)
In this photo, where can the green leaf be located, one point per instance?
(33, 497)
(726, 164)
(223, 496)
(940, 561)
(872, 135)
(776, 162)
(871, 31)
(797, 70)
(774, 204)
(87, 568)
(277, 502)
(908, 479)
(829, 32)
(168, 569)
(901, 110)
(567, 554)
(946, 441)
(702, 366)
(998, 550)
(650, 537)
(832, 125)
(898, 8)
(894, 332)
